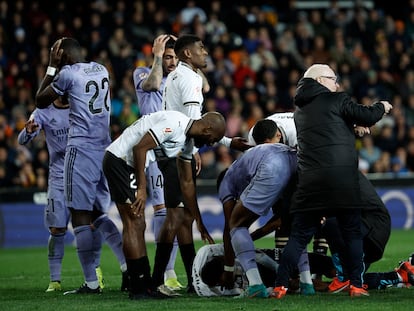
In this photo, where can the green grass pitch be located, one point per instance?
(24, 277)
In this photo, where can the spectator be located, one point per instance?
(388, 50)
(190, 13)
(222, 104)
(386, 139)
(368, 151)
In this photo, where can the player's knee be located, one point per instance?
(56, 231)
(81, 218)
(170, 226)
(131, 220)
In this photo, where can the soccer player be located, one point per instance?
(86, 86)
(234, 182)
(162, 134)
(264, 132)
(286, 126)
(402, 276)
(183, 92)
(55, 122)
(149, 84)
(209, 269)
(267, 171)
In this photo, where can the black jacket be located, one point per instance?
(327, 158)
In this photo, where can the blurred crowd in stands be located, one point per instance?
(257, 52)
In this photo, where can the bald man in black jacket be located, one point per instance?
(328, 181)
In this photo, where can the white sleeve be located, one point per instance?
(188, 150)
(250, 139)
(226, 141)
(193, 111)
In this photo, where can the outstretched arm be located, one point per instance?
(236, 143)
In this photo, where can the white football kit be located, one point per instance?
(206, 253)
(286, 125)
(184, 92)
(167, 128)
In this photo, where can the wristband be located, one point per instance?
(51, 71)
(228, 268)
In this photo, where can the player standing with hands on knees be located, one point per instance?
(125, 161)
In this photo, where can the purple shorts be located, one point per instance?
(86, 187)
(56, 213)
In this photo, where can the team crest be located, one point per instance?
(143, 75)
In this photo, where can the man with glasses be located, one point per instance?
(328, 180)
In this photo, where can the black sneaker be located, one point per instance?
(138, 296)
(84, 289)
(159, 295)
(148, 295)
(125, 282)
(190, 289)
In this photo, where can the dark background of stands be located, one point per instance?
(27, 167)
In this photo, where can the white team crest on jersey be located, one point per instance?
(143, 75)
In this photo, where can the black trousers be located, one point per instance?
(306, 224)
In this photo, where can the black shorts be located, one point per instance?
(121, 179)
(172, 189)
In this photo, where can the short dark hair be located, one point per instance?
(264, 129)
(212, 271)
(69, 44)
(72, 51)
(170, 43)
(184, 41)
